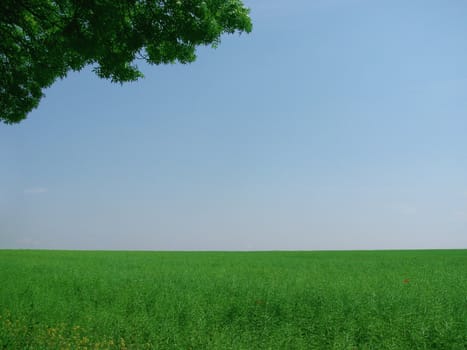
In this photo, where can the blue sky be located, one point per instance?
(337, 124)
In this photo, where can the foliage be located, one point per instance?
(42, 40)
(271, 300)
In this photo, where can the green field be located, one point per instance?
(235, 300)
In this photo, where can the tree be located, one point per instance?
(42, 40)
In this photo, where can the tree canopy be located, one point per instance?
(42, 40)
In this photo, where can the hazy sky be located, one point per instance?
(336, 124)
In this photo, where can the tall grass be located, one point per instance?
(219, 300)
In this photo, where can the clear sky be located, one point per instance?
(336, 124)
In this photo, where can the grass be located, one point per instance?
(218, 300)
